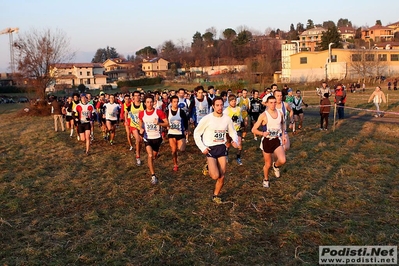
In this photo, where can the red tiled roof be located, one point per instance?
(78, 65)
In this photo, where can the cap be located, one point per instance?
(83, 95)
(239, 91)
(289, 90)
(102, 93)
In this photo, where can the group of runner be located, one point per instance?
(217, 122)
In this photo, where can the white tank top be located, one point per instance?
(273, 125)
(152, 130)
(201, 108)
(175, 123)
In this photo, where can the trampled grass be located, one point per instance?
(60, 207)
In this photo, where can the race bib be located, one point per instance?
(273, 133)
(175, 125)
(219, 135)
(151, 127)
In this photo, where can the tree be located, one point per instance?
(229, 34)
(331, 36)
(292, 28)
(367, 63)
(310, 24)
(344, 22)
(103, 54)
(37, 52)
(328, 24)
(378, 22)
(300, 28)
(147, 52)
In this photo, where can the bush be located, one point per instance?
(140, 82)
(11, 89)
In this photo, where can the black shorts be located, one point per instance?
(155, 144)
(113, 122)
(68, 118)
(217, 151)
(270, 145)
(177, 137)
(297, 112)
(83, 127)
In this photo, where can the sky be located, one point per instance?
(130, 25)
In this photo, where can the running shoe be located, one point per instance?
(255, 138)
(205, 170)
(265, 183)
(154, 180)
(138, 161)
(239, 162)
(131, 148)
(217, 199)
(111, 142)
(175, 168)
(78, 138)
(276, 170)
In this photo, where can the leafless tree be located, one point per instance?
(36, 52)
(367, 65)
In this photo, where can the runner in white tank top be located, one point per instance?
(272, 138)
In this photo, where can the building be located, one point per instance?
(347, 33)
(310, 40)
(118, 69)
(394, 27)
(348, 64)
(378, 33)
(156, 67)
(67, 75)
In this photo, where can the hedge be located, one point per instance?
(139, 82)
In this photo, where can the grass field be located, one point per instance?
(59, 207)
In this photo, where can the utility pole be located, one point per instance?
(10, 31)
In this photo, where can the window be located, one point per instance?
(69, 73)
(303, 60)
(356, 57)
(382, 57)
(88, 81)
(334, 58)
(80, 73)
(88, 74)
(394, 57)
(148, 67)
(369, 57)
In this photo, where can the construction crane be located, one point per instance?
(10, 31)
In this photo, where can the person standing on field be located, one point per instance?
(325, 107)
(377, 97)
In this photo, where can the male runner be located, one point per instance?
(133, 113)
(210, 138)
(235, 113)
(84, 112)
(272, 138)
(150, 122)
(111, 113)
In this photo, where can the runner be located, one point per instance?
(255, 108)
(272, 138)
(111, 113)
(84, 112)
(100, 114)
(178, 122)
(126, 119)
(68, 110)
(75, 102)
(150, 122)
(297, 103)
(210, 138)
(286, 110)
(244, 105)
(199, 106)
(235, 113)
(134, 128)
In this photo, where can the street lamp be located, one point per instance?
(328, 59)
(10, 31)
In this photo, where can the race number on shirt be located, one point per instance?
(219, 135)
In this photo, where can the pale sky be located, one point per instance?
(130, 25)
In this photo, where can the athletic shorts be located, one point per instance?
(270, 145)
(217, 151)
(177, 137)
(113, 122)
(297, 112)
(68, 118)
(84, 127)
(132, 129)
(155, 144)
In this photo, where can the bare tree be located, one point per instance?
(36, 52)
(367, 65)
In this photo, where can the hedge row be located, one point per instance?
(139, 82)
(11, 89)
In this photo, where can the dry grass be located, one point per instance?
(59, 207)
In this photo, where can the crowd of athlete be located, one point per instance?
(217, 120)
